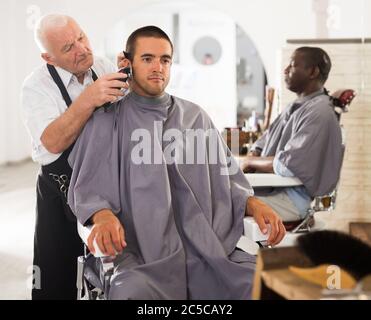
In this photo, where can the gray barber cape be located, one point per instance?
(306, 139)
(182, 221)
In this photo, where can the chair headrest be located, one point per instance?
(343, 98)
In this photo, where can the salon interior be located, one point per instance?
(229, 57)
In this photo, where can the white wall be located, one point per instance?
(268, 22)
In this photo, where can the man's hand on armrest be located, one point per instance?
(108, 233)
(263, 215)
(252, 164)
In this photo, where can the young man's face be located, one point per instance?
(151, 66)
(69, 48)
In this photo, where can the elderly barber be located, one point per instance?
(57, 100)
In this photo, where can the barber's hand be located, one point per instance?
(264, 215)
(105, 89)
(121, 62)
(108, 233)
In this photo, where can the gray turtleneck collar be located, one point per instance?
(150, 101)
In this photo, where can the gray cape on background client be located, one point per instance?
(182, 221)
(306, 139)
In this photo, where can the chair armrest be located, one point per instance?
(253, 233)
(84, 233)
(271, 180)
(252, 230)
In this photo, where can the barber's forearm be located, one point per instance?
(261, 164)
(63, 131)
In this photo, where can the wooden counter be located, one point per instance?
(273, 280)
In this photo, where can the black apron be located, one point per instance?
(56, 243)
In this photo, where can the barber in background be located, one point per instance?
(57, 100)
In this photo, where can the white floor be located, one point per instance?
(17, 213)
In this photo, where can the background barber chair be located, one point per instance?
(341, 100)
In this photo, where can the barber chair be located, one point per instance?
(341, 100)
(94, 272)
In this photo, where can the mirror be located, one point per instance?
(207, 51)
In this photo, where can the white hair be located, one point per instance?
(45, 24)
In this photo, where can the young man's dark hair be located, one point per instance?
(147, 32)
(317, 57)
